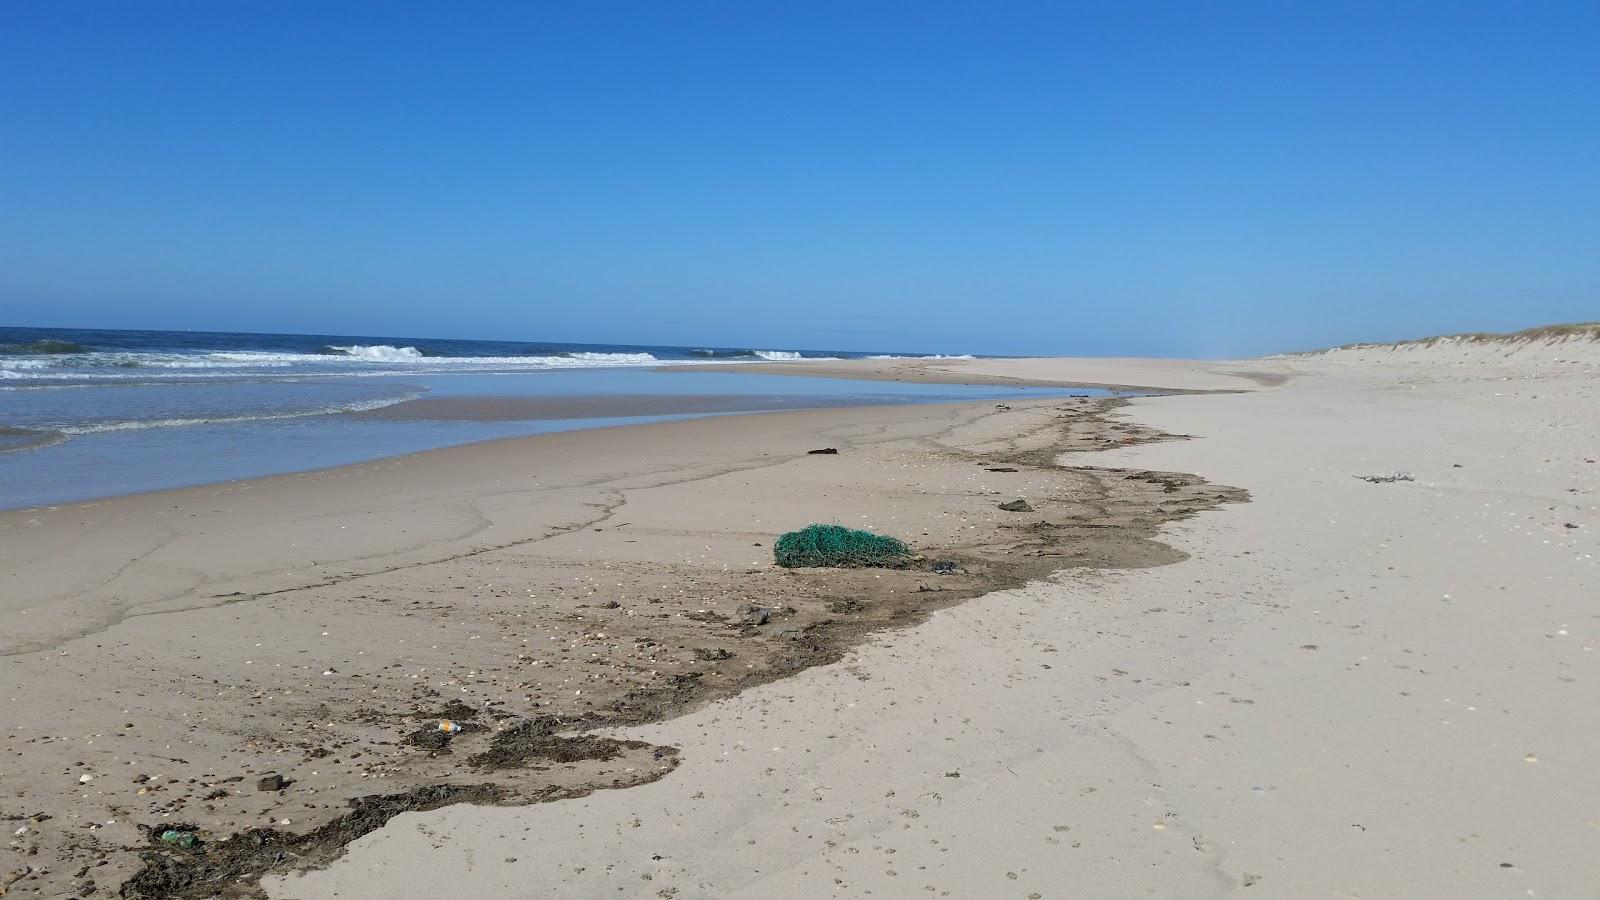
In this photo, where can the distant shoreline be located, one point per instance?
(1159, 375)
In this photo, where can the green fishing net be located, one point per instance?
(837, 546)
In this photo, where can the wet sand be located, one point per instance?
(600, 406)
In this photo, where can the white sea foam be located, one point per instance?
(615, 359)
(928, 356)
(142, 424)
(352, 360)
(349, 360)
(380, 352)
(411, 359)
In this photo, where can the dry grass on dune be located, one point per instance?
(1563, 332)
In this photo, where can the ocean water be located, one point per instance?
(58, 356)
(89, 414)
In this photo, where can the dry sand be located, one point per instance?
(1175, 375)
(1351, 689)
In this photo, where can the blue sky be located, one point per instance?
(1176, 178)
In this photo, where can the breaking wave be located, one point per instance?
(142, 424)
(614, 359)
(28, 438)
(352, 360)
(378, 352)
(45, 347)
(48, 362)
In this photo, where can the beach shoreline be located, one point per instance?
(216, 605)
(87, 442)
(587, 605)
(1172, 376)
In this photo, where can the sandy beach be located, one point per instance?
(1336, 642)
(1169, 375)
(276, 654)
(800, 451)
(1349, 688)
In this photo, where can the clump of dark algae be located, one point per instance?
(535, 740)
(232, 868)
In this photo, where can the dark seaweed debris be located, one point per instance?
(535, 740)
(233, 867)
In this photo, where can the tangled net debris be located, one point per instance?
(838, 547)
